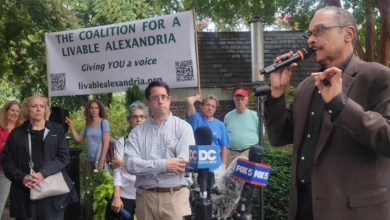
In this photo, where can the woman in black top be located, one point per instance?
(50, 155)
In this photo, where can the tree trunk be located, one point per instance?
(109, 100)
(360, 51)
(370, 35)
(384, 51)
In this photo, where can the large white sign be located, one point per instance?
(113, 57)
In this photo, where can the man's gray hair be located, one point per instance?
(137, 105)
(210, 97)
(342, 17)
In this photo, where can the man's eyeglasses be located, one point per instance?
(138, 116)
(318, 31)
(157, 98)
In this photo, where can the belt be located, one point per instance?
(239, 150)
(164, 190)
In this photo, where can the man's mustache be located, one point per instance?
(317, 47)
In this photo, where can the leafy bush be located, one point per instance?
(277, 191)
(133, 94)
(290, 93)
(102, 186)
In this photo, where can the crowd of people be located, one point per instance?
(340, 131)
(150, 160)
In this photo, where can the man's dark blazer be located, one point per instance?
(351, 170)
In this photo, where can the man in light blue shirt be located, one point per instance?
(220, 135)
(157, 153)
(243, 127)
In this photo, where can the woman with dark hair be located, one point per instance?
(97, 131)
(124, 191)
(49, 155)
(9, 119)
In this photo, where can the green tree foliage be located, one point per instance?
(101, 187)
(23, 25)
(102, 12)
(226, 13)
(133, 94)
(8, 91)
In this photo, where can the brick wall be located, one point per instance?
(225, 62)
(225, 57)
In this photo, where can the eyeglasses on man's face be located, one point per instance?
(157, 98)
(318, 31)
(138, 116)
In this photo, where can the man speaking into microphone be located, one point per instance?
(339, 125)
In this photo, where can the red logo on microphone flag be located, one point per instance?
(251, 172)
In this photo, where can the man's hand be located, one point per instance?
(175, 165)
(199, 98)
(333, 75)
(116, 204)
(280, 78)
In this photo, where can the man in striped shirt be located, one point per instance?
(157, 154)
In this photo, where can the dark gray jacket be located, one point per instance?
(14, 160)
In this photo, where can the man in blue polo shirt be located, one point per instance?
(206, 118)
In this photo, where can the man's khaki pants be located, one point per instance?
(172, 205)
(232, 154)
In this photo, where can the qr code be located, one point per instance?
(58, 81)
(184, 71)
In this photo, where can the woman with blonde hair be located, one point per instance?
(97, 131)
(46, 141)
(9, 119)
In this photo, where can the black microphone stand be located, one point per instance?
(203, 206)
(261, 93)
(256, 154)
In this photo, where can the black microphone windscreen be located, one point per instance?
(306, 52)
(256, 154)
(203, 136)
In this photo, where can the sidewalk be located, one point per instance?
(6, 214)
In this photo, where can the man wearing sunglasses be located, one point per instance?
(339, 125)
(157, 153)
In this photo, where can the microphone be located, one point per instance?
(124, 214)
(203, 136)
(203, 158)
(230, 191)
(252, 173)
(203, 155)
(301, 54)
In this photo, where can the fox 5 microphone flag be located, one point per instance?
(253, 173)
